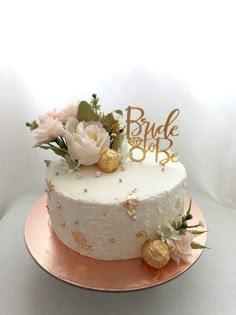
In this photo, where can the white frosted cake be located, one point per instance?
(118, 191)
(90, 214)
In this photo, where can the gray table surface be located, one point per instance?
(209, 287)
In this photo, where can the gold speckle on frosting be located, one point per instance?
(178, 204)
(156, 253)
(81, 240)
(109, 161)
(141, 234)
(47, 162)
(131, 203)
(50, 186)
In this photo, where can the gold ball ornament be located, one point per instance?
(156, 253)
(109, 161)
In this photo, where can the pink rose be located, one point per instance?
(180, 247)
(70, 111)
(52, 114)
(86, 140)
(48, 131)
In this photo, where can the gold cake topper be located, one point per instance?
(144, 136)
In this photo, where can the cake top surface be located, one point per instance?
(89, 184)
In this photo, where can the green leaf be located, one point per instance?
(85, 112)
(59, 151)
(118, 111)
(73, 165)
(108, 121)
(117, 142)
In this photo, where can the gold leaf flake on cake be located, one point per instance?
(142, 234)
(50, 186)
(81, 240)
(131, 203)
(178, 204)
(47, 162)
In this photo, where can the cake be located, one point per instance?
(91, 214)
(117, 192)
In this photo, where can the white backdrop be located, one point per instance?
(152, 54)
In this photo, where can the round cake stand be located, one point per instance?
(109, 276)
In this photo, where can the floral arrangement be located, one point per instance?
(82, 134)
(175, 240)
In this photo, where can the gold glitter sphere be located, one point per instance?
(109, 161)
(156, 253)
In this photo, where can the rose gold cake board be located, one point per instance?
(111, 276)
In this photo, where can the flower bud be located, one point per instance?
(184, 225)
(188, 216)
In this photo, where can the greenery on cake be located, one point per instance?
(174, 241)
(81, 133)
(178, 235)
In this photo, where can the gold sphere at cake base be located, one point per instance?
(109, 161)
(156, 253)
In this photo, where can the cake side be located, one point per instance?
(90, 213)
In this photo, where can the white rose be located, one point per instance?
(124, 151)
(120, 119)
(86, 140)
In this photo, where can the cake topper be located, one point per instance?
(144, 136)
